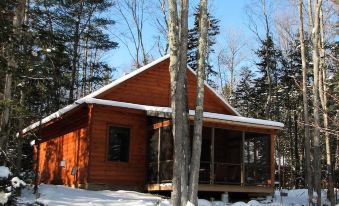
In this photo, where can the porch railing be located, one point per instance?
(216, 173)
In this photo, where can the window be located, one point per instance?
(118, 144)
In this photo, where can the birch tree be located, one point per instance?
(316, 138)
(132, 13)
(307, 143)
(161, 24)
(199, 107)
(177, 77)
(230, 56)
(183, 78)
(323, 101)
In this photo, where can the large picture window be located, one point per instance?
(118, 144)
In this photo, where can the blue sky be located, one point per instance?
(231, 14)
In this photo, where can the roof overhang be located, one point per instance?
(238, 120)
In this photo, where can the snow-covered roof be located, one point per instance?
(113, 84)
(206, 115)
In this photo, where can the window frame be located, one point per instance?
(108, 126)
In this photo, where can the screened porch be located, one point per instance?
(228, 156)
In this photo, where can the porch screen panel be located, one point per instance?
(257, 158)
(205, 158)
(153, 156)
(166, 154)
(227, 156)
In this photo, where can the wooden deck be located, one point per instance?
(215, 188)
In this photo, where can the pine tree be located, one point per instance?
(42, 48)
(290, 96)
(245, 92)
(266, 83)
(193, 41)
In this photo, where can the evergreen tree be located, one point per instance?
(333, 103)
(193, 41)
(245, 92)
(266, 83)
(290, 96)
(43, 48)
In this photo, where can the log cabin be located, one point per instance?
(120, 137)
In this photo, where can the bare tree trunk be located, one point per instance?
(296, 151)
(310, 16)
(199, 107)
(307, 143)
(268, 103)
(85, 76)
(316, 138)
(183, 79)
(20, 137)
(132, 13)
(323, 100)
(5, 114)
(18, 20)
(76, 40)
(176, 104)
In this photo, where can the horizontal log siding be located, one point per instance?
(102, 171)
(66, 140)
(152, 87)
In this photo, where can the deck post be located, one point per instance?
(158, 158)
(273, 136)
(242, 166)
(212, 157)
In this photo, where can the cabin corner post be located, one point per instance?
(89, 141)
(158, 156)
(273, 137)
(212, 173)
(37, 167)
(242, 166)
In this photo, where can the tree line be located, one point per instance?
(51, 55)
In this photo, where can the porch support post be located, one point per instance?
(212, 157)
(242, 166)
(273, 136)
(158, 158)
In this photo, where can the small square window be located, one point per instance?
(118, 144)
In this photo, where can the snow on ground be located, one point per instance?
(4, 197)
(17, 182)
(60, 195)
(65, 196)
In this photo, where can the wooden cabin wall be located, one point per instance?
(65, 140)
(102, 171)
(152, 87)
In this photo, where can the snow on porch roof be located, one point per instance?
(207, 115)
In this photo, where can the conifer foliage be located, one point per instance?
(273, 90)
(193, 41)
(51, 51)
